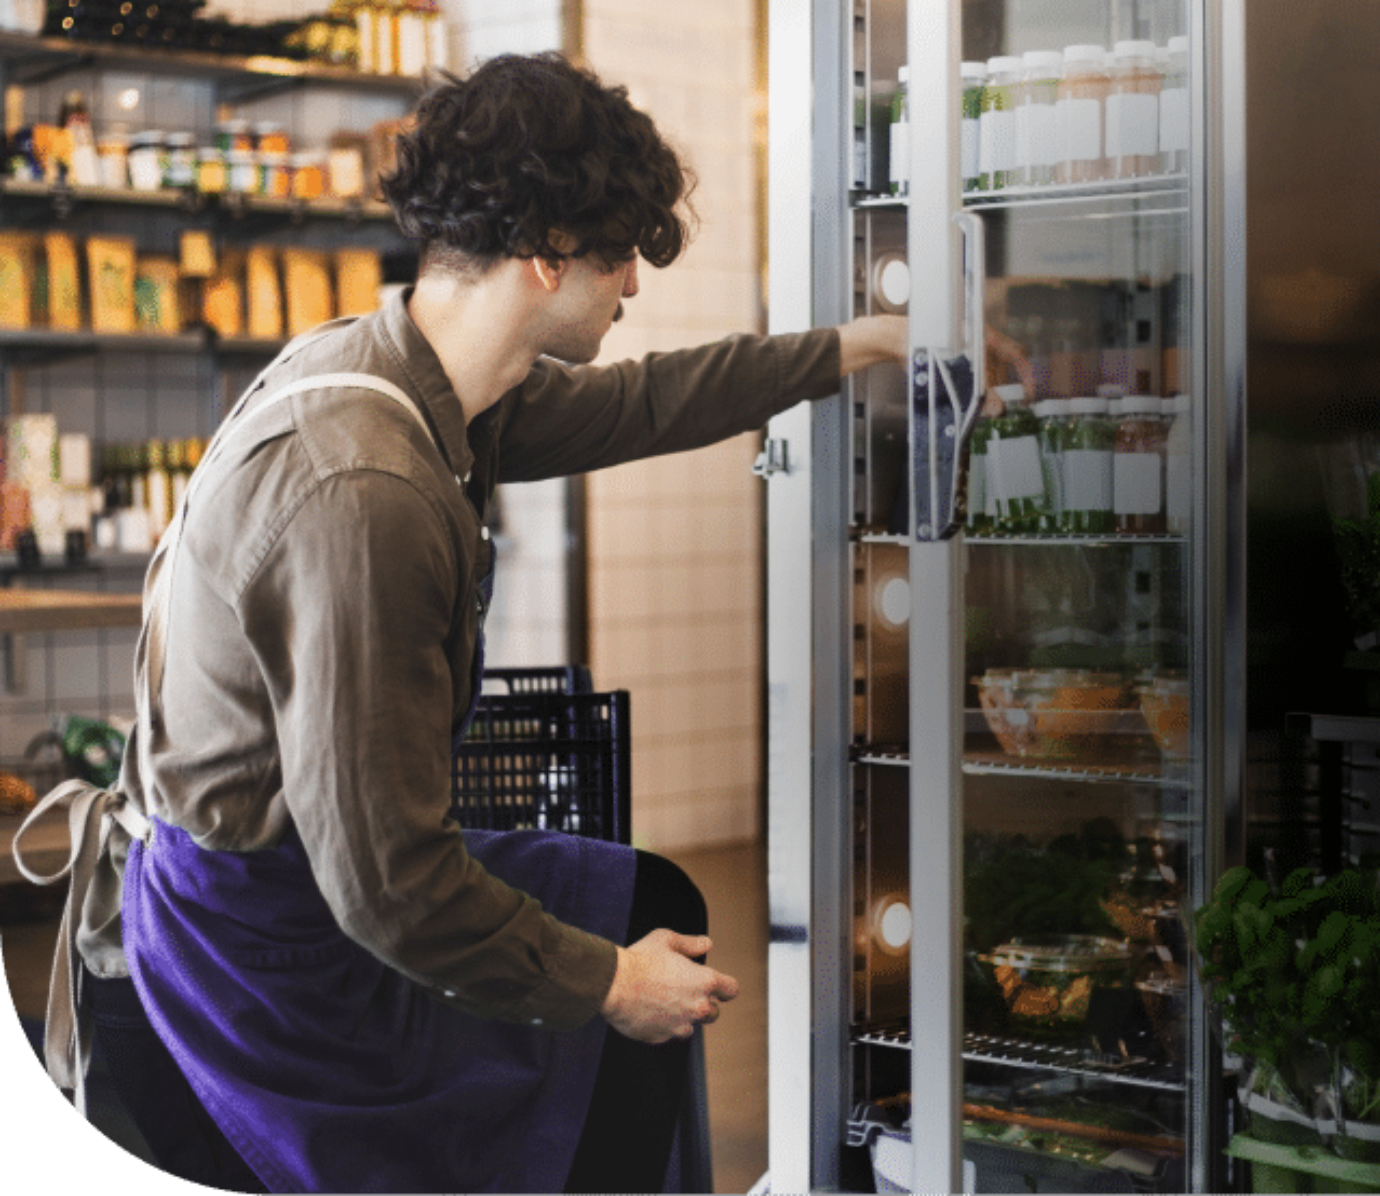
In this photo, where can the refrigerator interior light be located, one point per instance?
(892, 600)
(892, 924)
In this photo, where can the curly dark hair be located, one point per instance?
(528, 146)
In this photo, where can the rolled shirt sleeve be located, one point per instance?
(349, 615)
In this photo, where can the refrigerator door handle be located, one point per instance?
(947, 394)
(974, 317)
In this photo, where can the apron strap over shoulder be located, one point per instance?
(91, 815)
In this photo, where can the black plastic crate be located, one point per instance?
(566, 679)
(546, 760)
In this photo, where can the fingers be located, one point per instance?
(690, 945)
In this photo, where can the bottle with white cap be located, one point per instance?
(997, 124)
(1037, 140)
(1174, 108)
(1083, 92)
(1133, 111)
(974, 75)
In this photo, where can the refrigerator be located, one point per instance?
(1055, 628)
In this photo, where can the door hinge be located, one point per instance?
(772, 459)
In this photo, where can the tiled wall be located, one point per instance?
(675, 544)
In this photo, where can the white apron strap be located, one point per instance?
(90, 814)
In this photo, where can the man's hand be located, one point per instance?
(660, 993)
(871, 340)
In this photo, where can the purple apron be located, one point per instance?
(326, 1069)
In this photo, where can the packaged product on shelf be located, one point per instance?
(1138, 464)
(345, 165)
(269, 138)
(1133, 111)
(16, 280)
(307, 286)
(1087, 443)
(113, 151)
(1015, 481)
(1037, 135)
(308, 175)
(79, 150)
(212, 172)
(382, 157)
(263, 293)
(147, 155)
(997, 124)
(156, 301)
(242, 172)
(222, 296)
(233, 133)
(1173, 133)
(275, 175)
(1178, 465)
(1052, 416)
(64, 282)
(48, 504)
(980, 506)
(1083, 92)
(74, 459)
(358, 276)
(31, 450)
(900, 135)
(973, 74)
(179, 163)
(196, 254)
(16, 513)
(413, 41)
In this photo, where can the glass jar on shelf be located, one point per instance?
(1173, 134)
(1088, 438)
(997, 124)
(1015, 481)
(974, 75)
(980, 508)
(1081, 114)
(1133, 111)
(1052, 415)
(1138, 465)
(1037, 138)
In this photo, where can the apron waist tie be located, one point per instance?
(91, 815)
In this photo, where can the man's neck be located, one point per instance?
(480, 331)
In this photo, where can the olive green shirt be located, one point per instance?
(324, 617)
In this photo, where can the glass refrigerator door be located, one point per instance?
(1081, 667)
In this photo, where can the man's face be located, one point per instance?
(591, 299)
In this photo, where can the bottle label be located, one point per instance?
(1136, 484)
(1174, 119)
(997, 142)
(1087, 480)
(1081, 121)
(1037, 140)
(900, 156)
(969, 149)
(1013, 469)
(1133, 125)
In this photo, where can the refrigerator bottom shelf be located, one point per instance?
(1072, 1059)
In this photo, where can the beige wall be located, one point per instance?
(676, 544)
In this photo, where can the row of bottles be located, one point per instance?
(141, 487)
(1109, 464)
(386, 37)
(1080, 115)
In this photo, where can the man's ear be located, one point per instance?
(549, 271)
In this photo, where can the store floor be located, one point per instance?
(733, 880)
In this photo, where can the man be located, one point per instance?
(358, 1000)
